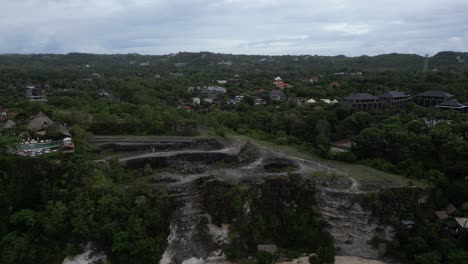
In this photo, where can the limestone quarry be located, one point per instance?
(180, 164)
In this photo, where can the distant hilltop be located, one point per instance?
(446, 60)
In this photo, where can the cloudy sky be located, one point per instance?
(350, 27)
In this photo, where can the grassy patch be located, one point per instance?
(279, 169)
(366, 176)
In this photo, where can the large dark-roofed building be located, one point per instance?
(454, 105)
(363, 102)
(432, 98)
(395, 99)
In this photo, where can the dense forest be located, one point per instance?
(51, 205)
(279, 215)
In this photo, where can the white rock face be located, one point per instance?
(193, 261)
(219, 234)
(88, 257)
(352, 226)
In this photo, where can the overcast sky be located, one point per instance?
(349, 27)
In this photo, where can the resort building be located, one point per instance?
(432, 98)
(395, 99)
(453, 105)
(363, 102)
(44, 136)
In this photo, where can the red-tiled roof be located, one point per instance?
(281, 84)
(343, 144)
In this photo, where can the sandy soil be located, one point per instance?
(338, 260)
(301, 260)
(355, 260)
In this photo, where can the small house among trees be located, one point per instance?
(462, 223)
(35, 93)
(9, 124)
(342, 146)
(452, 210)
(277, 95)
(464, 207)
(442, 216)
(407, 223)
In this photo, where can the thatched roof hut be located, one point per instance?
(9, 124)
(452, 210)
(464, 207)
(442, 215)
(40, 121)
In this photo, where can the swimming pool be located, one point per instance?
(45, 145)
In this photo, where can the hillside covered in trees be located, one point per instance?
(193, 61)
(50, 205)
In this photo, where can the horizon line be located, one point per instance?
(233, 54)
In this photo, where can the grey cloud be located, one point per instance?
(234, 26)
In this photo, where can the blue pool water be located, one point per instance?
(54, 144)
